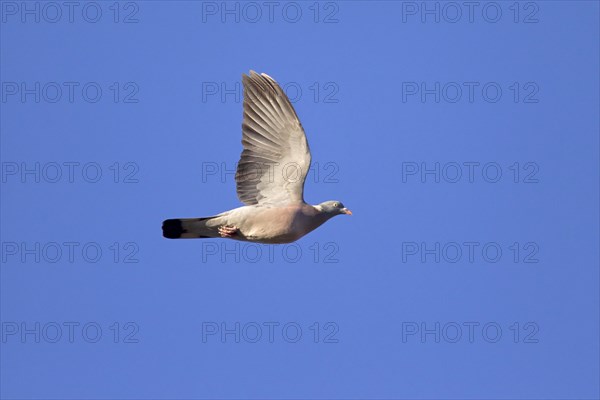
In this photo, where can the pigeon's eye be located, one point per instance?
(336, 205)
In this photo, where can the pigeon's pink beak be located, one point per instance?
(346, 211)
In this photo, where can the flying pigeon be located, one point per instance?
(269, 178)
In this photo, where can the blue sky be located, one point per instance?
(465, 141)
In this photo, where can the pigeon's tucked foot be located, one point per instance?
(227, 231)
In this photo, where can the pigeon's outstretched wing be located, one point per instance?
(276, 156)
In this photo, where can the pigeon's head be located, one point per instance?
(334, 207)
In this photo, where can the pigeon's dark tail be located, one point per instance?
(188, 228)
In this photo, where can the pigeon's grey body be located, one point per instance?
(270, 176)
(264, 224)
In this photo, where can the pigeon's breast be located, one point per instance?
(278, 225)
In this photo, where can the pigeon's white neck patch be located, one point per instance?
(319, 208)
